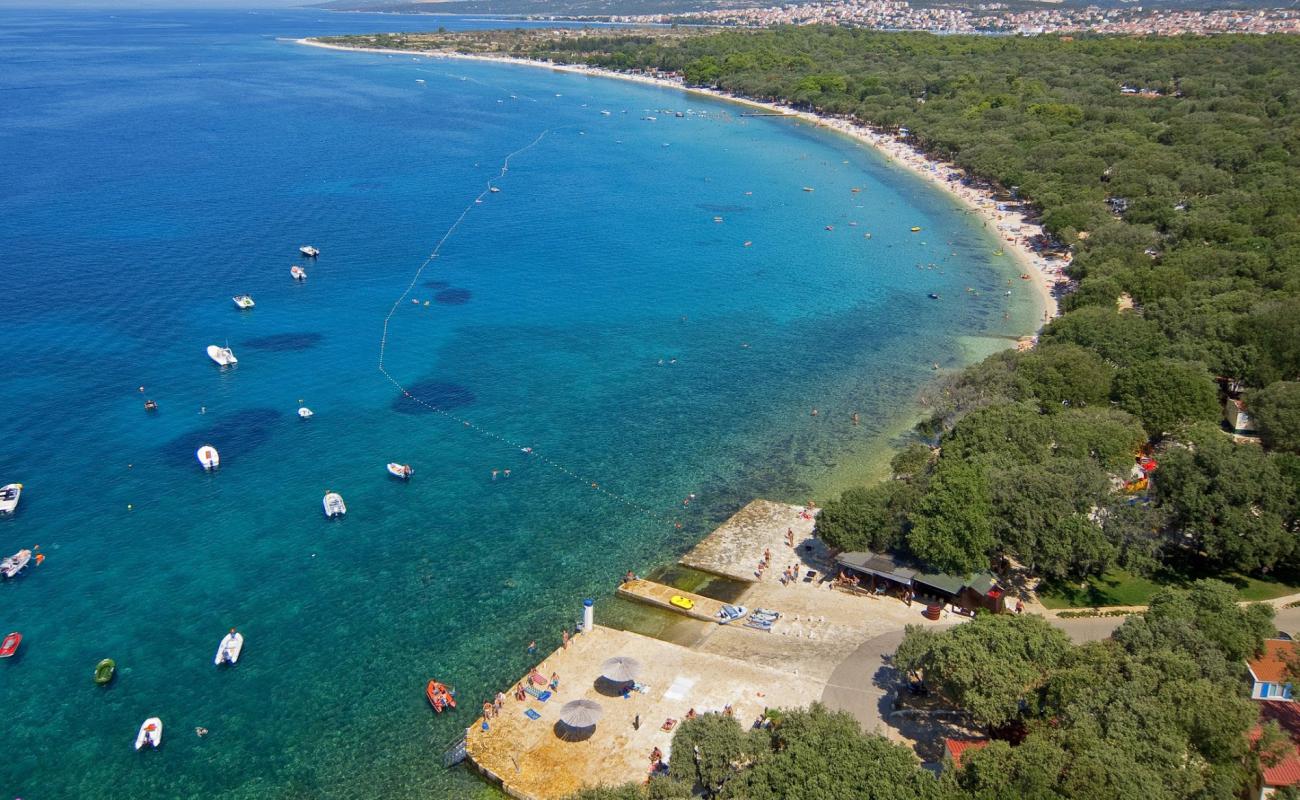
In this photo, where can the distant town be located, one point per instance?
(994, 18)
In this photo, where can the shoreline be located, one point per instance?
(1010, 226)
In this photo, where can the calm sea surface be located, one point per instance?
(155, 164)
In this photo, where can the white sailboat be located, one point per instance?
(150, 734)
(334, 506)
(208, 457)
(243, 301)
(222, 355)
(229, 649)
(9, 495)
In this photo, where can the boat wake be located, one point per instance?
(467, 423)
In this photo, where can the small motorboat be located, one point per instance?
(304, 413)
(150, 405)
(402, 471)
(208, 457)
(309, 251)
(494, 190)
(916, 229)
(243, 301)
(440, 696)
(830, 227)
(224, 356)
(10, 644)
(933, 295)
(682, 602)
(16, 563)
(298, 273)
(9, 495)
(807, 188)
(334, 506)
(104, 671)
(229, 649)
(150, 734)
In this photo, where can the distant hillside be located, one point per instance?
(605, 8)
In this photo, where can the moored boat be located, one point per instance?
(297, 273)
(9, 495)
(10, 644)
(224, 356)
(334, 506)
(104, 671)
(150, 405)
(402, 471)
(228, 651)
(208, 457)
(243, 301)
(304, 412)
(16, 563)
(150, 734)
(309, 251)
(440, 696)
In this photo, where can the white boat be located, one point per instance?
(298, 273)
(14, 564)
(243, 301)
(222, 355)
(228, 650)
(309, 251)
(150, 734)
(494, 190)
(334, 506)
(208, 457)
(304, 413)
(402, 471)
(9, 497)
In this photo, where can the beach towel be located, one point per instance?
(531, 714)
(542, 696)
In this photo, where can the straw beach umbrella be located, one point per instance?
(581, 713)
(621, 669)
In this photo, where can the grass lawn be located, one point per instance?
(1120, 588)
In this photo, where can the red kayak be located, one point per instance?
(440, 697)
(10, 645)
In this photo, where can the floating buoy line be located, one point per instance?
(528, 450)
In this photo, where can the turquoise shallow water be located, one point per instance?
(158, 163)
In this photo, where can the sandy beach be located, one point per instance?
(1011, 225)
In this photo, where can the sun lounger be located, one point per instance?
(539, 695)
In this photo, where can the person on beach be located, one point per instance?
(564, 638)
(555, 681)
(789, 536)
(520, 694)
(499, 703)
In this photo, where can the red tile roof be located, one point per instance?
(1286, 772)
(956, 747)
(1270, 666)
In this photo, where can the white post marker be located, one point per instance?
(588, 614)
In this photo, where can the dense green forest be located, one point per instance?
(1155, 712)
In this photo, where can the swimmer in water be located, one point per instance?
(505, 472)
(494, 473)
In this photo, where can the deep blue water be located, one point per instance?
(155, 164)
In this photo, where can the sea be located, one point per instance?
(587, 370)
